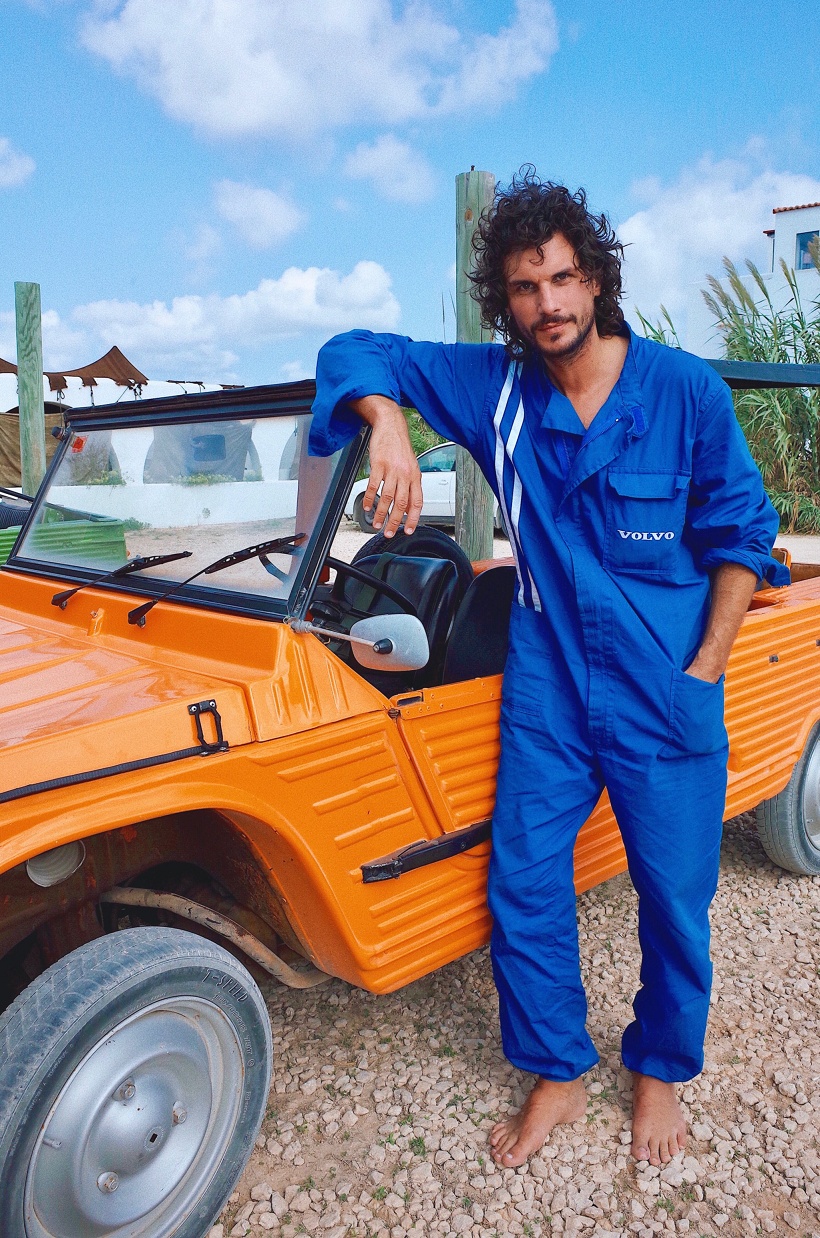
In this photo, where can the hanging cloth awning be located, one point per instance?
(114, 365)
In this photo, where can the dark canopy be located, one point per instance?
(114, 365)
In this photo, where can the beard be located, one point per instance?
(566, 348)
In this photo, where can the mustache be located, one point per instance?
(551, 320)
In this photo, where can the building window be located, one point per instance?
(803, 260)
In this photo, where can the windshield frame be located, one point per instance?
(281, 400)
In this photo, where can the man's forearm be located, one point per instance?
(732, 589)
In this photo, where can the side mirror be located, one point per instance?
(391, 643)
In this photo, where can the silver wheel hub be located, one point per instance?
(810, 797)
(139, 1128)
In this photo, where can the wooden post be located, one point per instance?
(474, 499)
(30, 386)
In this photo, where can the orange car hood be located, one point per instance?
(68, 706)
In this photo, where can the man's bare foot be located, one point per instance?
(658, 1124)
(549, 1104)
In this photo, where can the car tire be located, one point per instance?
(789, 823)
(362, 518)
(134, 1076)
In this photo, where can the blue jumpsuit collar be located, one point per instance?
(621, 419)
(560, 415)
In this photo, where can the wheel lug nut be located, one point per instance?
(126, 1091)
(179, 1114)
(108, 1182)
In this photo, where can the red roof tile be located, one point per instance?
(804, 206)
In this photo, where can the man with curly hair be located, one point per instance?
(640, 527)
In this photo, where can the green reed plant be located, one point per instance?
(782, 427)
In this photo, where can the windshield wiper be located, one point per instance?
(137, 564)
(260, 551)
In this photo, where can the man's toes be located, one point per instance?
(512, 1159)
(664, 1151)
(502, 1145)
(640, 1151)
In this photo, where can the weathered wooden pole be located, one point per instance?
(474, 499)
(30, 386)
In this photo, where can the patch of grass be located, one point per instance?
(667, 1204)
(446, 1051)
(308, 1184)
(417, 1146)
(380, 1193)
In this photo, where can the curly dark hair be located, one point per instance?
(525, 215)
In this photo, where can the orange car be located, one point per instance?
(191, 739)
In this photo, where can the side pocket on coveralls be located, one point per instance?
(696, 725)
(644, 520)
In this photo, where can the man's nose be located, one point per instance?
(547, 300)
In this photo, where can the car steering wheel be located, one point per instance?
(372, 582)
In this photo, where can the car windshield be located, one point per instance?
(208, 487)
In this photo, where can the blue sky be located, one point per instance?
(219, 185)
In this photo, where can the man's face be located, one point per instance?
(550, 298)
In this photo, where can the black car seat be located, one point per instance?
(480, 634)
(426, 543)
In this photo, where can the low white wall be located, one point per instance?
(170, 505)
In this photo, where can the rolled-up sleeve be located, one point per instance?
(447, 383)
(730, 517)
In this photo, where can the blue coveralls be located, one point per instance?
(614, 530)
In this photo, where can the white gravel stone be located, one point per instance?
(422, 1072)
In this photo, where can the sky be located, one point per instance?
(218, 186)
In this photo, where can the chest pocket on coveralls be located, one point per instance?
(645, 514)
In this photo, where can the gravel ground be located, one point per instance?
(380, 1106)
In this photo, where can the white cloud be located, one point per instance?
(713, 209)
(204, 245)
(394, 169)
(199, 330)
(15, 167)
(63, 345)
(262, 217)
(294, 371)
(235, 67)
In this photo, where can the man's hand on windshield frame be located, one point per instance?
(393, 466)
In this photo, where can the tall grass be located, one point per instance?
(782, 427)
